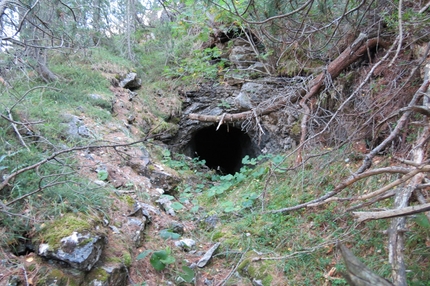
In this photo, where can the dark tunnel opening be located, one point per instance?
(222, 149)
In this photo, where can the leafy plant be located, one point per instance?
(199, 65)
(102, 175)
(159, 259)
(175, 205)
(187, 275)
(168, 233)
(224, 104)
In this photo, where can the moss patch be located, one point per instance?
(52, 232)
(256, 270)
(98, 274)
(60, 278)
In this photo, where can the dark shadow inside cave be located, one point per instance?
(222, 149)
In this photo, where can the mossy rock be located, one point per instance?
(111, 274)
(257, 270)
(61, 277)
(52, 232)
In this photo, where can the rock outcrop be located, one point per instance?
(79, 250)
(272, 133)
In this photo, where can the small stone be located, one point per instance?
(256, 282)
(114, 229)
(186, 244)
(208, 255)
(166, 205)
(177, 227)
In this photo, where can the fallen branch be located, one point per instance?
(346, 58)
(16, 130)
(228, 117)
(352, 179)
(242, 257)
(53, 156)
(422, 169)
(367, 162)
(358, 274)
(384, 196)
(365, 216)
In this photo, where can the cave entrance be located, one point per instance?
(222, 149)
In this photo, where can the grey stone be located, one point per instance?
(242, 54)
(131, 81)
(256, 282)
(136, 228)
(75, 126)
(166, 205)
(80, 251)
(95, 96)
(160, 178)
(208, 255)
(116, 275)
(243, 102)
(177, 227)
(186, 244)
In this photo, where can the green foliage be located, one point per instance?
(169, 234)
(187, 274)
(197, 66)
(181, 162)
(159, 259)
(102, 175)
(224, 104)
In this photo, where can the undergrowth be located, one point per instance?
(54, 188)
(307, 238)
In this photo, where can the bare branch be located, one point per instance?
(365, 216)
(6, 181)
(423, 169)
(309, 2)
(400, 35)
(16, 130)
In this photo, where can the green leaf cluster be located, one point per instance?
(159, 259)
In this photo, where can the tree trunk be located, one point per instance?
(42, 69)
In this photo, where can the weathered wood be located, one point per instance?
(228, 117)
(364, 216)
(396, 237)
(346, 58)
(358, 274)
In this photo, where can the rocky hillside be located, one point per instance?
(259, 147)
